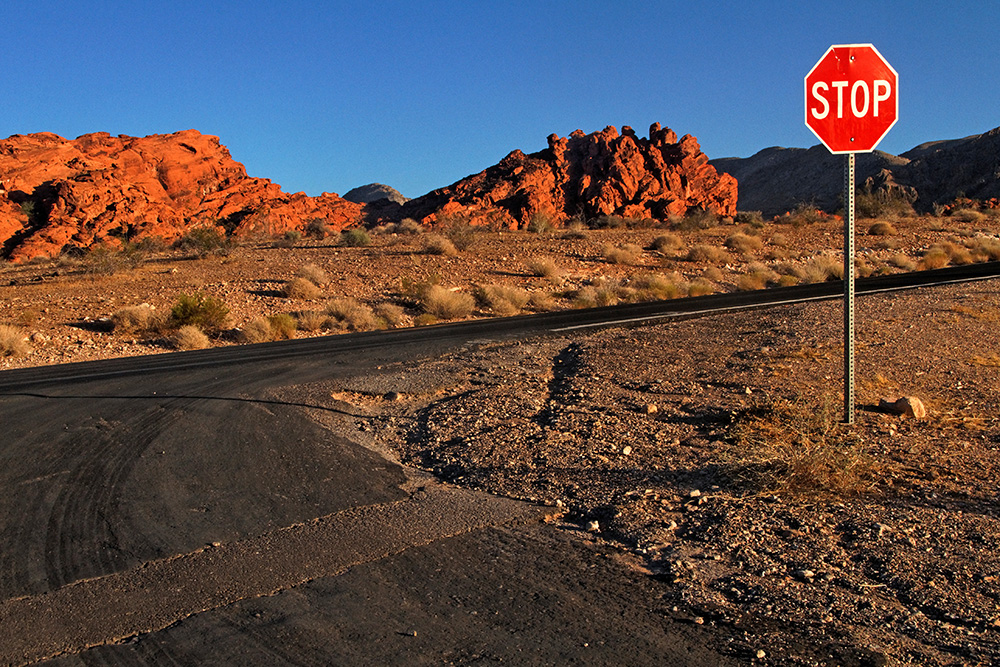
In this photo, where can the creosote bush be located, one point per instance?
(355, 238)
(13, 342)
(205, 312)
(204, 241)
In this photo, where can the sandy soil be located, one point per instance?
(710, 450)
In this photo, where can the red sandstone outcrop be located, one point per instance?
(57, 193)
(590, 175)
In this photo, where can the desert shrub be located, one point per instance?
(700, 287)
(300, 288)
(882, 204)
(435, 244)
(780, 240)
(545, 267)
(105, 260)
(318, 229)
(409, 226)
(820, 269)
(752, 218)
(189, 337)
(310, 320)
(257, 330)
(425, 319)
(601, 293)
(575, 230)
(137, 319)
(985, 248)
(389, 315)
(445, 304)
(668, 244)
(540, 223)
(352, 314)
(627, 253)
(698, 219)
(656, 287)
(289, 239)
(788, 280)
(503, 300)
(968, 215)
(902, 261)
(13, 341)
(282, 326)
(541, 301)
(708, 254)
(743, 243)
(801, 450)
(802, 215)
(314, 274)
(205, 312)
(958, 254)
(712, 273)
(882, 228)
(204, 241)
(608, 222)
(757, 277)
(355, 238)
(938, 256)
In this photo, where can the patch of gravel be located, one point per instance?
(633, 432)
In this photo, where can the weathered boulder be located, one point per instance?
(599, 174)
(98, 189)
(907, 406)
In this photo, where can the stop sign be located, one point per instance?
(851, 98)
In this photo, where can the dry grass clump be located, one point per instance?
(797, 449)
(311, 320)
(757, 277)
(743, 243)
(575, 230)
(903, 261)
(882, 228)
(968, 215)
(314, 274)
(390, 314)
(628, 253)
(435, 244)
(503, 300)
(352, 314)
(445, 304)
(355, 238)
(189, 337)
(819, 269)
(542, 302)
(265, 329)
(140, 319)
(409, 226)
(13, 341)
(300, 288)
(656, 287)
(701, 287)
(985, 248)
(544, 267)
(668, 244)
(601, 292)
(708, 254)
(713, 274)
(779, 240)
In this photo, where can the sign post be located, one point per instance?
(851, 103)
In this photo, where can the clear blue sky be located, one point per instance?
(325, 96)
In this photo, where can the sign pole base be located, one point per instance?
(849, 289)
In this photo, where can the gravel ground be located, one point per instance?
(713, 450)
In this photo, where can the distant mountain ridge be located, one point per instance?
(775, 180)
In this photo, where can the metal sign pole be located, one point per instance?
(849, 289)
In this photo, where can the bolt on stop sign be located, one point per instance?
(851, 98)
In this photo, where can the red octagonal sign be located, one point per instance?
(851, 98)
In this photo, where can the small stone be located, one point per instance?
(907, 406)
(593, 526)
(650, 409)
(807, 574)
(695, 493)
(698, 620)
(761, 655)
(392, 396)
(626, 450)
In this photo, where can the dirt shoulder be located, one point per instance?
(712, 450)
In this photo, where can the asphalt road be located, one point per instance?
(175, 514)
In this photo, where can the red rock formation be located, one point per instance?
(602, 173)
(97, 188)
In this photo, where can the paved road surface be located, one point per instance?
(184, 518)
